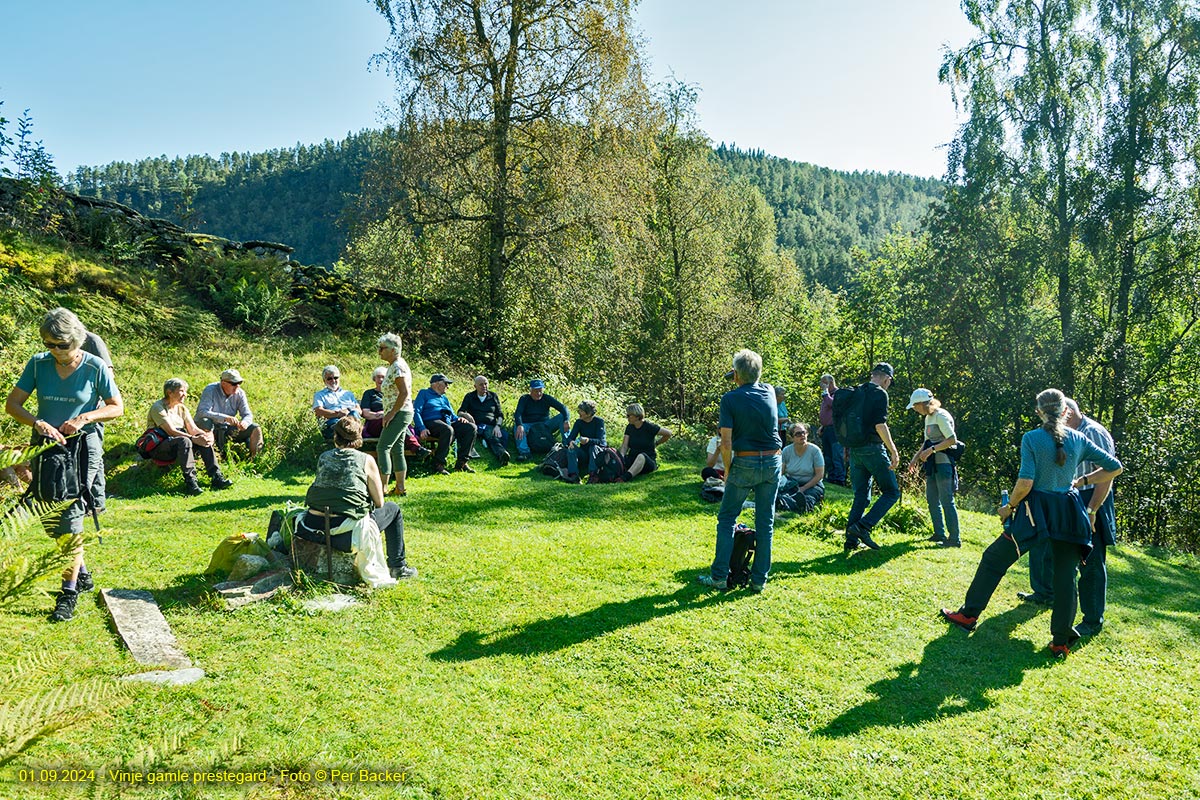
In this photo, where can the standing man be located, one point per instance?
(1093, 573)
(877, 459)
(533, 427)
(831, 448)
(333, 402)
(750, 446)
(225, 411)
(483, 407)
(433, 419)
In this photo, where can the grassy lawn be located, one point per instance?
(556, 645)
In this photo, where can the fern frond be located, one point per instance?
(10, 458)
(37, 715)
(18, 517)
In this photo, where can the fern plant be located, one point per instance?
(25, 555)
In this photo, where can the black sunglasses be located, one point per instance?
(58, 345)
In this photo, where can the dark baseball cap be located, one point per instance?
(883, 368)
(437, 376)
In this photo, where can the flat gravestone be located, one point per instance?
(144, 629)
(168, 677)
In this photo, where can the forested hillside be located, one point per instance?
(301, 195)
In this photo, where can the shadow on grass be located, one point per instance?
(1154, 591)
(954, 676)
(841, 562)
(565, 630)
(248, 503)
(185, 590)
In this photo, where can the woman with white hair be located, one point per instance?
(1045, 505)
(940, 477)
(397, 412)
(372, 405)
(75, 390)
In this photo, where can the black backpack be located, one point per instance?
(606, 466)
(58, 472)
(555, 463)
(849, 408)
(742, 556)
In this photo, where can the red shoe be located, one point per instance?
(1060, 650)
(960, 619)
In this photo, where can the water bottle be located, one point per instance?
(1004, 497)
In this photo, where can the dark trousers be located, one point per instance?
(831, 448)
(1002, 554)
(388, 517)
(463, 433)
(183, 452)
(869, 462)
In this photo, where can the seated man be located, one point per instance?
(333, 402)
(803, 473)
(533, 427)
(433, 420)
(586, 436)
(484, 407)
(225, 411)
(639, 449)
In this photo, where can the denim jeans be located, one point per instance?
(552, 425)
(758, 474)
(831, 448)
(869, 462)
(580, 457)
(939, 493)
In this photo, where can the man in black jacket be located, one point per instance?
(483, 407)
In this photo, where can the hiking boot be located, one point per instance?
(84, 583)
(439, 469)
(463, 466)
(64, 605)
(1089, 628)
(950, 543)
(1035, 598)
(504, 458)
(401, 573)
(936, 539)
(708, 581)
(864, 536)
(220, 482)
(960, 619)
(851, 542)
(190, 485)
(756, 588)
(1060, 651)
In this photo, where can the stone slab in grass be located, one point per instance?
(143, 628)
(168, 677)
(262, 587)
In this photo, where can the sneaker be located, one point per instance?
(463, 466)
(504, 458)
(439, 469)
(84, 583)
(423, 453)
(1035, 598)
(1060, 651)
(64, 605)
(756, 588)
(220, 482)
(708, 580)
(936, 539)
(960, 619)
(866, 539)
(401, 573)
(1089, 628)
(950, 543)
(474, 453)
(191, 487)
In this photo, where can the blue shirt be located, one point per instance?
(1038, 459)
(429, 405)
(335, 400)
(216, 407)
(61, 399)
(750, 412)
(592, 431)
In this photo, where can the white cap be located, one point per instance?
(919, 396)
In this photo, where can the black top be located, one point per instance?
(484, 411)
(530, 411)
(875, 408)
(593, 431)
(641, 440)
(372, 400)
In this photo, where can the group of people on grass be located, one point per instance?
(1060, 509)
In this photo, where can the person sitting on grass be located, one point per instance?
(714, 466)
(803, 473)
(586, 437)
(333, 402)
(185, 439)
(533, 427)
(483, 406)
(435, 421)
(349, 486)
(639, 448)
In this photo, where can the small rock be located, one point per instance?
(247, 566)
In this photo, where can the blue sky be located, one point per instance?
(849, 86)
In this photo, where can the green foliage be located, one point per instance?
(26, 555)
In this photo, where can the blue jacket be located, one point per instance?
(429, 405)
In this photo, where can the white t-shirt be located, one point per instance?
(714, 446)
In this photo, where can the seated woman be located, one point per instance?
(372, 405)
(349, 486)
(587, 434)
(185, 439)
(639, 448)
(714, 467)
(803, 473)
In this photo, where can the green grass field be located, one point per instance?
(556, 645)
